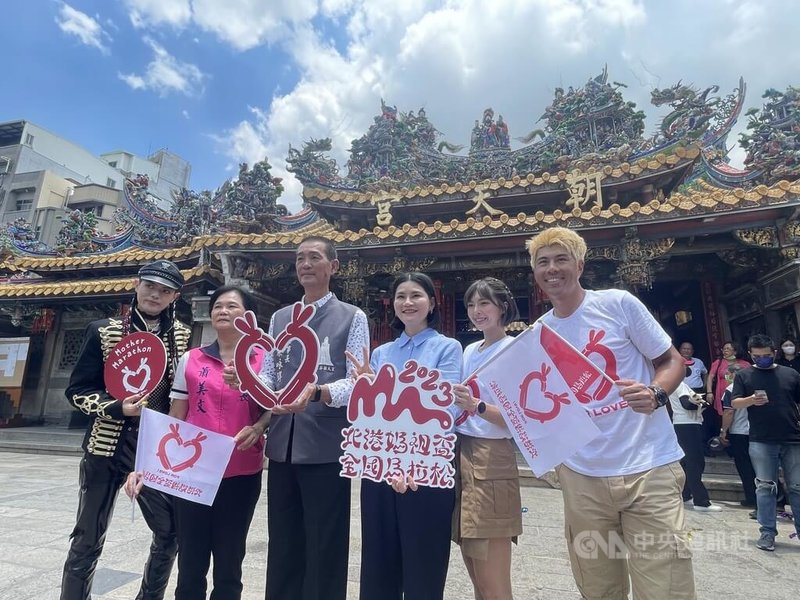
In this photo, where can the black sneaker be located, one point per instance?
(766, 542)
(753, 515)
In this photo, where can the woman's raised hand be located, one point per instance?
(229, 376)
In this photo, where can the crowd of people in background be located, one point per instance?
(634, 481)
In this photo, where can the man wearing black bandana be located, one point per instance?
(110, 442)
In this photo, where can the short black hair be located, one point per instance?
(496, 292)
(426, 283)
(760, 340)
(248, 301)
(330, 249)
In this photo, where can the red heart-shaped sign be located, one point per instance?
(296, 331)
(135, 365)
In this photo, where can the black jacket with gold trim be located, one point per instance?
(87, 391)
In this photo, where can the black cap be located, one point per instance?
(164, 272)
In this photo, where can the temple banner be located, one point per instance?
(540, 392)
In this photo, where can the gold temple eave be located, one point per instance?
(87, 287)
(132, 256)
(706, 200)
(643, 166)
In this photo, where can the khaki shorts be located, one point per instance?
(488, 503)
(628, 526)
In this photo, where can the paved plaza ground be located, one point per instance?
(38, 499)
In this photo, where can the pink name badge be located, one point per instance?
(135, 365)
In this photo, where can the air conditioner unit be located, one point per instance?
(5, 164)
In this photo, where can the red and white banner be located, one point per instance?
(297, 331)
(181, 459)
(135, 365)
(400, 427)
(540, 383)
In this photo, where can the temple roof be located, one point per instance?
(81, 288)
(589, 167)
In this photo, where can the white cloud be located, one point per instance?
(166, 74)
(468, 54)
(144, 13)
(185, 114)
(87, 29)
(458, 57)
(243, 24)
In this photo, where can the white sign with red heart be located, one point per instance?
(297, 331)
(181, 459)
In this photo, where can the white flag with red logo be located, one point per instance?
(538, 382)
(181, 459)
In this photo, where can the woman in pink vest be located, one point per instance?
(200, 397)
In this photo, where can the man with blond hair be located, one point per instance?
(622, 492)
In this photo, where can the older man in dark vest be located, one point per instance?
(308, 514)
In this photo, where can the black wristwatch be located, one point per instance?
(481, 407)
(662, 397)
(317, 394)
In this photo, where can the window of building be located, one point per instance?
(111, 182)
(24, 204)
(70, 348)
(28, 139)
(97, 210)
(113, 163)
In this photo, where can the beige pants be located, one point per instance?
(628, 525)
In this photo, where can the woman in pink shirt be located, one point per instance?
(200, 397)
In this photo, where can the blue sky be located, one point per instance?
(224, 81)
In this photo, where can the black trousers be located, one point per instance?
(738, 449)
(690, 438)
(100, 481)
(219, 530)
(712, 421)
(308, 520)
(405, 546)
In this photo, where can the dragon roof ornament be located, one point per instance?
(590, 126)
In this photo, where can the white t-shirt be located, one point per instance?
(740, 424)
(475, 425)
(681, 416)
(616, 332)
(696, 372)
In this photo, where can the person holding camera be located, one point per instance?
(735, 433)
(687, 419)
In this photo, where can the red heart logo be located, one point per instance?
(608, 364)
(296, 331)
(136, 381)
(556, 400)
(176, 454)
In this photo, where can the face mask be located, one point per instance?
(788, 349)
(763, 362)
